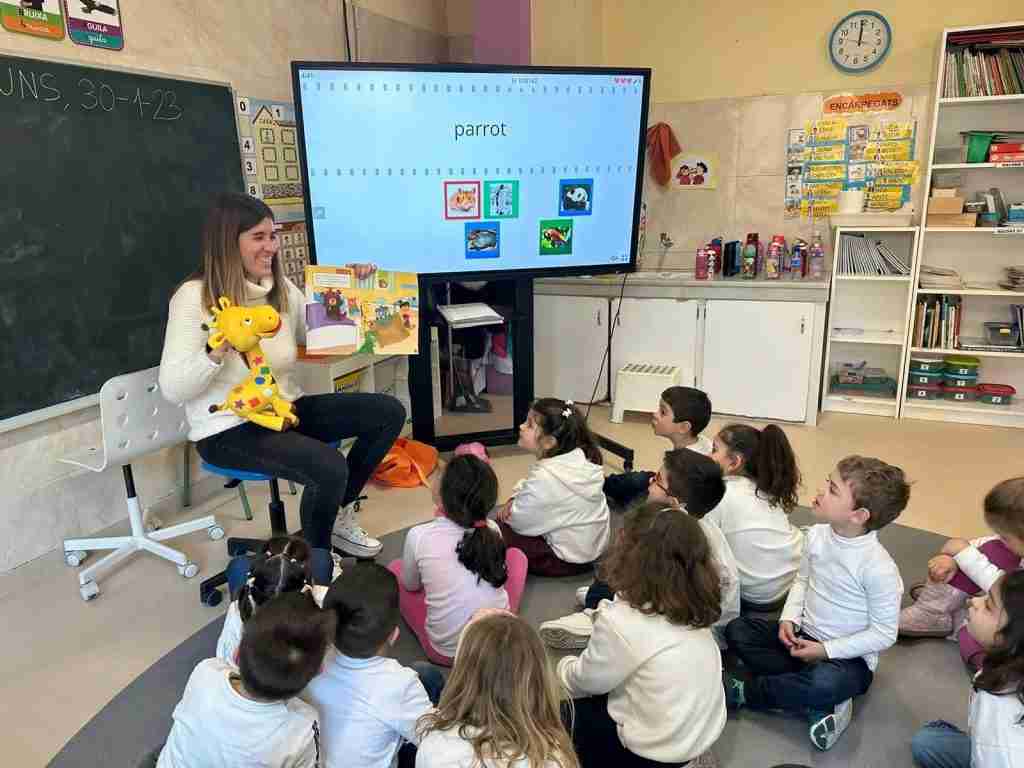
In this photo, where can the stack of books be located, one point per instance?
(984, 63)
(858, 256)
(939, 277)
(1006, 151)
(937, 322)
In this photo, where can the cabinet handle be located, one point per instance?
(599, 318)
(803, 324)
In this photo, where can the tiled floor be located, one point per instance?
(61, 659)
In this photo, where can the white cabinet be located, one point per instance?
(757, 358)
(570, 335)
(656, 331)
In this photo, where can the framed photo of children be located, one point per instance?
(695, 170)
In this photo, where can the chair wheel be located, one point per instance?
(215, 532)
(153, 524)
(212, 598)
(89, 590)
(75, 559)
(188, 570)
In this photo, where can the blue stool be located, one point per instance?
(209, 592)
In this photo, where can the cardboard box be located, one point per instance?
(946, 205)
(952, 219)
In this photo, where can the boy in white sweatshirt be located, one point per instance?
(683, 414)
(842, 611)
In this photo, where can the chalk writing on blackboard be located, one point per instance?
(88, 94)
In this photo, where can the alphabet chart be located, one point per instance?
(270, 164)
(466, 171)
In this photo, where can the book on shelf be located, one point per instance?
(937, 322)
(990, 66)
(858, 256)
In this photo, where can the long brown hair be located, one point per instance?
(503, 696)
(221, 270)
(662, 563)
(568, 431)
(767, 458)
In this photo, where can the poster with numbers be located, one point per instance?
(270, 166)
(40, 18)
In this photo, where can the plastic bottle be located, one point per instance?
(773, 259)
(816, 259)
(798, 260)
(700, 265)
(748, 267)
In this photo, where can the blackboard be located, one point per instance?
(105, 177)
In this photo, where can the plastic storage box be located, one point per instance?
(964, 395)
(996, 394)
(924, 392)
(1003, 334)
(925, 364)
(923, 379)
(959, 381)
(962, 365)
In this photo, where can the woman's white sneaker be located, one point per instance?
(349, 536)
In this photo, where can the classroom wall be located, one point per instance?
(731, 48)
(46, 501)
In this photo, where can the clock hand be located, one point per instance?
(860, 37)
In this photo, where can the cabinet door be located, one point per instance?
(757, 357)
(570, 334)
(655, 331)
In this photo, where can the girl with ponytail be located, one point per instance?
(458, 563)
(558, 515)
(761, 484)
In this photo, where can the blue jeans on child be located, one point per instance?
(597, 592)
(321, 562)
(941, 745)
(433, 681)
(784, 682)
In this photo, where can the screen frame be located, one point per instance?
(594, 269)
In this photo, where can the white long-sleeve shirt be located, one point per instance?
(453, 592)
(766, 545)
(447, 749)
(562, 499)
(979, 568)
(728, 576)
(216, 727)
(847, 594)
(996, 725)
(664, 681)
(367, 707)
(187, 375)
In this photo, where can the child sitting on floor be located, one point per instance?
(683, 414)
(368, 703)
(761, 483)
(842, 611)
(458, 563)
(558, 515)
(501, 705)
(238, 718)
(283, 566)
(995, 737)
(647, 690)
(967, 568)
(694, 484)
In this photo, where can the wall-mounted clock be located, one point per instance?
(860, 41)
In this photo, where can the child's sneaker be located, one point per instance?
(570, 633)
(931, 615)
(735, 691)
(825, 731)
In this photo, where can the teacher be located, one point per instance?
(239, 260)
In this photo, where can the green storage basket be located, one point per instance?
(978, 143)
(962, 365)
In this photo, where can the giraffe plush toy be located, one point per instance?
(257, 398)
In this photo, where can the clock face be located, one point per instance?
(860, 41)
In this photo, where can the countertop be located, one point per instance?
(682, 285)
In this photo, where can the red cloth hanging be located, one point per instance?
(661, 148)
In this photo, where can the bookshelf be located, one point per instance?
(980, 259)
(868, 316)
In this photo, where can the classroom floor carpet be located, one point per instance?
(916, 682)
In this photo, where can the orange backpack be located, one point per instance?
(407, 464)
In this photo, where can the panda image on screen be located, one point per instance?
(576, 198)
